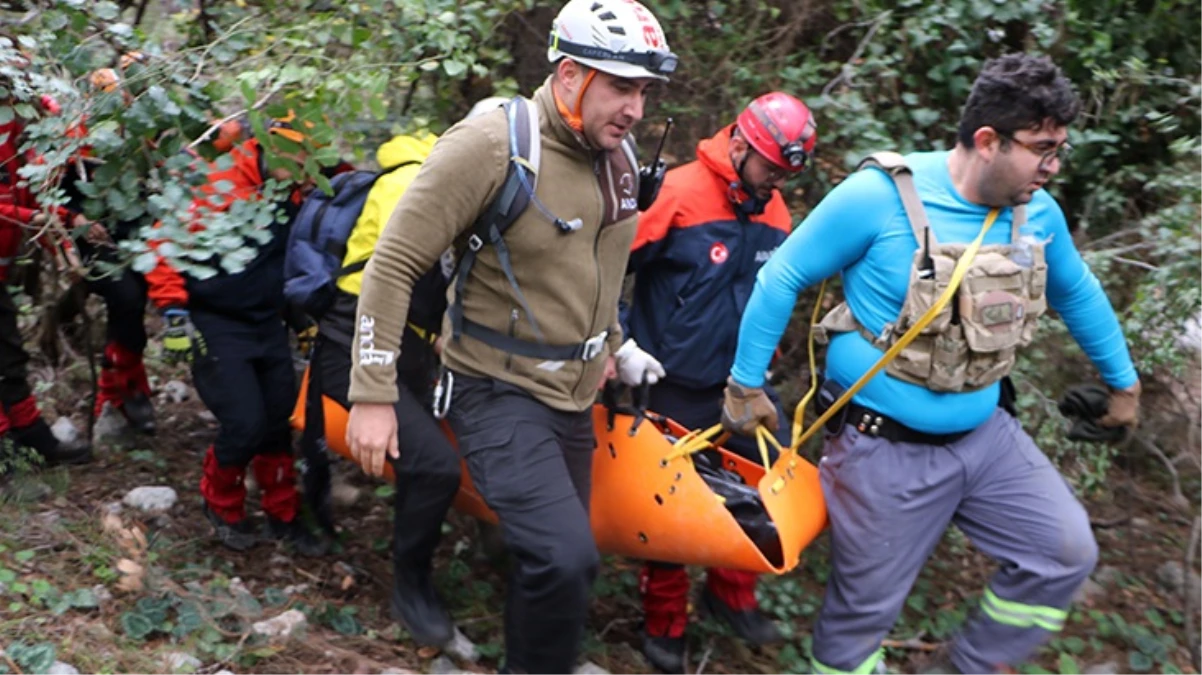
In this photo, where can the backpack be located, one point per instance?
(515, 195)
(317, 241)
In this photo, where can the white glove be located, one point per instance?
(634, 365)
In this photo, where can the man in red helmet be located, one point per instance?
(695, 257)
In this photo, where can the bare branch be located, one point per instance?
(705, 658)
(913, 643)
(1191, 596)
(846, 72)
(1178, 498)
(208, 133)
(1136, 263)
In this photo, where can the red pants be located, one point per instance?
(665, 590)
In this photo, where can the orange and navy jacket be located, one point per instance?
(695, 260)
(256, 292)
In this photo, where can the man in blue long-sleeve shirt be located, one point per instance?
(924, 443)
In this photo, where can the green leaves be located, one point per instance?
(137, 625)
(35, 658)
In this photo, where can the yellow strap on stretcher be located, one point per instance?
(701, 439)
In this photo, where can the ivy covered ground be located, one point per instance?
(106, 588)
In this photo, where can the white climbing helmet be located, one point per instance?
(619, 37)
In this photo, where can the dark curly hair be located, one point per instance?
(1015, 92)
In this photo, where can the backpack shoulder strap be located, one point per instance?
(894, 164)
(360, 264)
(521, 179)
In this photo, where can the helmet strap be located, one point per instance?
(748, 204)
(575, 120)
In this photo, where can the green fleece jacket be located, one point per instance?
(571, 281)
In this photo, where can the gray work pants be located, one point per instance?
(889, 506)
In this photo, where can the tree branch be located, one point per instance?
(1178, 498)
(1191, 597)
(846, 71)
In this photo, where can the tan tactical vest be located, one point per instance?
(998, 304)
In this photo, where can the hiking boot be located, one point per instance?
(749, 624)
(297, 536)
(664, 653)
(238, 536)
(39, 437)
(416, 605)
(139, 412)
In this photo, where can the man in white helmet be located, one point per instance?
(533, 323)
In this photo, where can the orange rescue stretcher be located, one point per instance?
(648, 499)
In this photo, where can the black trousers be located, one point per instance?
(14, 360)
(427, 471)
(702, 408)
(533, 466)
(124, 295)
(247, 382)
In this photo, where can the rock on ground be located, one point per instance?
(1107, 668)
(64, 430)
(1089, 591)
(110, 424)
(1107, 575)
(176, 391)
(180, 662)
(1171, 577)
(590, 668)
(285, 625)
(343, 494)
(153, 499)
(60, 668)
(462, 648)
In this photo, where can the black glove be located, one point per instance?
(1086, 404)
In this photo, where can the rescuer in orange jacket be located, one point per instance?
(230, 328)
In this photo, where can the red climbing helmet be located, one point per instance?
(781, 128)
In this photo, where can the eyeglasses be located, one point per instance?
(772, 172)
(1060, 152)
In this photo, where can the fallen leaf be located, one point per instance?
(131, 583)
(128, 566)
(428, 652)
(347, 582)
(111, 523)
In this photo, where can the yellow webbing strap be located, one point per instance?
(958, 273)
(799, 413)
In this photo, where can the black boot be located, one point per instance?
(39, 437)
(421, 506)
(749, 624)
(297, 536)
(239, 536)
(664, 653)
(139, 412)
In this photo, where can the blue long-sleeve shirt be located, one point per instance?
(861, 230)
